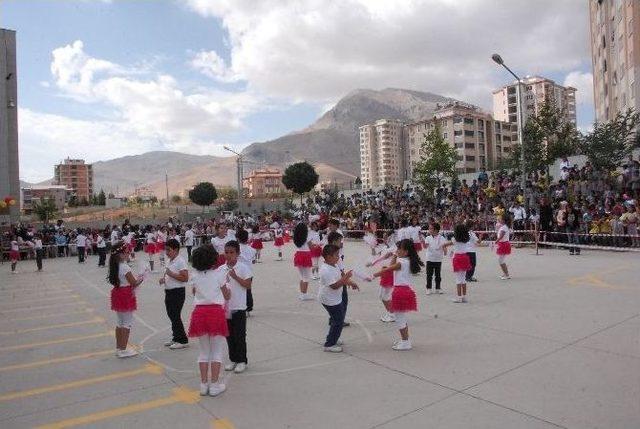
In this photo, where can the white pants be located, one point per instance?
(460, 277)
(305, 273)
(385, 293)
(124, 319)
(401, 319)
(211, 348)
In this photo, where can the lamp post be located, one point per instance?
(520, 120)
(239, 178)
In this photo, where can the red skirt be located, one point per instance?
(150, 248)
(461, 262)
(123, 299)
(220, 261)
(132, 247)
(286, 237)
(503, 248)
(208, 320)
(278, 242)
(14, 255)
(386, 279)
(417, 246)
(257, 244)
(159, 246)
(302, 258)
(403, 299)
(316, 251)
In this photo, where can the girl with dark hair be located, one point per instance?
(256, 241)
(316, 249)
(302, 259)
(123, 297)
(403, 297)
(461, 262)
(278, 241)
(503, 245)
(150, 246)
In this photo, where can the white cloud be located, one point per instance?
(318, 51)
(210, 64)
(583, 82)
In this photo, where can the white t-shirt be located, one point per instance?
(151, 238)
(434, 248)
(123, 269)
(329, 275)
(402, 233)
(81, 240)
(247, 255)
(459, 247)
(114, 237)
(403, 275)
(100, 242)
(238, 300)
(414, 233)
(37, 243)
(178, 264)
(207, 284)
(219, 243)
(504, 228)
(313, 237)
(188, 237)
(473, 241)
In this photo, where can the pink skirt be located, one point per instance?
(503, 248)
(123, 299)
(461, 262)
(316, 251)
(150, 248)
(278, 242)
(417, 246)
(302, 258)
(208, 320)
(403, 299)
(386, 279)
(14, 255)
(257, 244)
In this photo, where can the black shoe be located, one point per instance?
(346, 324)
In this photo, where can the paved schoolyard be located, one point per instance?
(557, 346)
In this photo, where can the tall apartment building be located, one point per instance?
(615, 55)
(535, 90)
(264, 183)
(9, 162)
(76, 175)
(382, 154)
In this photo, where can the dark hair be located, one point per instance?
(507, 220)
(255, 229)
(330, 249)
(333, 237)
(233, 244)
(461, 233)
(114, 262)
(414, 260)
(242, 235)
(204, 257)
(435, 226)
(333, 221)
(173, 244)
(300, 234)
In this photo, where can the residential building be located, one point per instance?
(76, 175)
(263, 183)
(31, 195)
(9, 162)
(382, 154)
(615, 56)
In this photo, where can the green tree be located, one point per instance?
(176, 199)
(203, 194)
(102, 199)
(437, 162)
(300, 178)
(611, 142)
(45, 209)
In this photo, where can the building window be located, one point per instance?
(457, 132)
(469, 133)
(471, 158)
(469, 145)
(468, 120)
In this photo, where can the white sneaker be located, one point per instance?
(168, 343)
(429, 292)
(308, 297)
(126, 353)
(339, 343)
(402, 345)
(217, 388)
(464, 299)
(457, 299)
(240, 368)
(439, 291)
(204, 389)
(301, 297)
(176, 346)
(230, 366)
(333, 349)
(388, 317)
(505, 277)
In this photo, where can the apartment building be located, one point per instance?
(263, 183)
(36, 194)
(382, 154)
(76, 175)
(615, 56)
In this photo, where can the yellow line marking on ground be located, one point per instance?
(44, 316)
(42, 307)
(47, 362)
(28, 301)
(592, 280)
(61, 325)
(222, 424)
(37, 293)
(181, 395)
(147, 369)
(58, 341)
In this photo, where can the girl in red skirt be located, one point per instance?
(403, 297)
(316, 249)
(150, 246)
(415, 231)
(386, 283)
(302, 259)
(461, 262)
(503, 246)
(256, 242)
(278, 240)
(123, 296)
(208, 321)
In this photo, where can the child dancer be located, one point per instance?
(161, 239)
(208, 321)
(471, 251)
(386, 284)
(219, 241)
(150, 246)
(371, 240)
(175, 278)
(435, 253)
(37, 245)
(335, 238)
(403, 297)
(14, 254)
(256, 242)
(316, 249)
(302, 260)
(238, 277)
(460, 261)
(278, 239)
(101, 245)
(332, 279)
(415, 232)
(503, 246)
(123, 297)
(81, 243)
(248, 258)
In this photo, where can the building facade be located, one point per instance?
(76, 175)
(36, 194)
(9, 161)
(615, 56)
(382, 157)
(264, 183)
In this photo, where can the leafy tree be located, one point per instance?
(437, 162)
(300, 178)
(203, 194)
(176, 199)
(111, 195)
(230, 197)
(611, 142)
(45, 209)
(102, 199)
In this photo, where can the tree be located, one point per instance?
(203, 194)
(102, 199)
(176, 199)
(437, 162)
(230, 197)
(611, 142)
(300, 178)
(45, 209)
(73, 201)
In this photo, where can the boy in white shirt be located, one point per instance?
(189, 238)
(247, 257)
(471, 251)
(81, 242)
(176, 276)
(435, 253)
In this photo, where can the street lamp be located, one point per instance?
(239, 172)
(520, 120)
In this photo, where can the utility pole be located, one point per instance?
(166, 185)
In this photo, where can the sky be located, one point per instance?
(101, 79)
